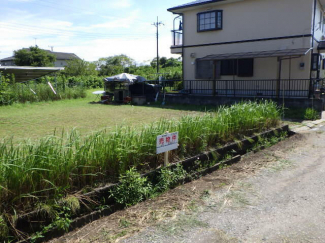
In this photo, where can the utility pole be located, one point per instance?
(35, 41)
(51, 48)
(157, 24)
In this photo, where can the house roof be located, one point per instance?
(7, 59)
(23, 74)
(59, 56)
(194, 3)
(63, 55)
(259, 54)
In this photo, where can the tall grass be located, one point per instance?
(33, 92)
(30, 171)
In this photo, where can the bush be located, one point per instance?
(170, 177)
(311, 114)
(132, 188)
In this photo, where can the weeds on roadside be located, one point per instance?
(311, 114)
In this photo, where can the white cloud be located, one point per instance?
(120, 4)
(21, 1)
(116, 23)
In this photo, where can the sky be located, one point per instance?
(91, 29)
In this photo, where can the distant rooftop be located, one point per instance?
(59, 56)
(194, 3)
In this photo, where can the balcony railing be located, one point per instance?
(271, 88)
(177, 37)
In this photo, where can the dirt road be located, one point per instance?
(276, 195)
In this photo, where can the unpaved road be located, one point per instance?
(276, 195)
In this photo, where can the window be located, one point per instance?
(239, 67)
(209, 21)
(229, 67)
(315, 62)
(204, 69)
(245, 67)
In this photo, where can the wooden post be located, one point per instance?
(166, 162)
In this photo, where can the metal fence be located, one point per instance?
(271, 88)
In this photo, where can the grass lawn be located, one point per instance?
(40, 119)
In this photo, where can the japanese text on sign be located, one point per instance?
(167, 142)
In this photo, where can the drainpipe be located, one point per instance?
(279, 78)
(312, 50)
(183, 42)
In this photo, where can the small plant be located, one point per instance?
(124, 223)
(311, 114)
(132, 188)
(72, 203)
(63, 223)
(4, 231)
(169, 178)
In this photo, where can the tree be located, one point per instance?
(116, 64)
(34, 56)
(173, 62)
(78, 67)
(164, 62)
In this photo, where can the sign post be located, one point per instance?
(166, 143)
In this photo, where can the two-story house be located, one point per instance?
(266, 48)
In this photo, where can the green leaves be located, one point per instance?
(34, 56)
(132, 188)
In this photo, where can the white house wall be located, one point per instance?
(248, 20)
(252, 19)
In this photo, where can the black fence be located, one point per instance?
(272, 88)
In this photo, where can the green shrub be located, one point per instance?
(311, 114)
(132, 188)
(170, 177)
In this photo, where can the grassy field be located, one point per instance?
(40, 119)
(50, 168)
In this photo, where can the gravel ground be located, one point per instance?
(276, 195)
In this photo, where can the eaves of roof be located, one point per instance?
(192, 4)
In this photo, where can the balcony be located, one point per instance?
(177, 37)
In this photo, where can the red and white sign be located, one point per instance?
(167, 142)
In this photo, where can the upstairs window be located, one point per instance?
(211, 20)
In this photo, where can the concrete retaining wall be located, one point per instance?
(317, 104)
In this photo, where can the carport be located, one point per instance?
(24, 74)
